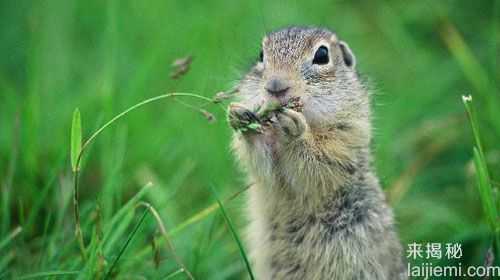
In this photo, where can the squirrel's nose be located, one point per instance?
(277, 86)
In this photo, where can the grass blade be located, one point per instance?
(204, 213)
(6, 257)
(467, 100)
(197, 217)
(119, 220)
(127, 242)
(11, 236)
(48, 274)
(76, 139)
(233, 233)
(484, 181)
(76, 149)
(488, 200)
(485, 190)
(173, 274)
(163, 231)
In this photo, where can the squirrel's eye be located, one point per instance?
(321, 56)
(261, 56)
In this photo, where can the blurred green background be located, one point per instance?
(420, 57)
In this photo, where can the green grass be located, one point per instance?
(234, 234)
(104, 57)
(489, 198)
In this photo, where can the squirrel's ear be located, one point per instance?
(347, 55)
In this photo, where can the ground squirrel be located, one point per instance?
(316, 208)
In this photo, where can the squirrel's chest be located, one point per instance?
(290, 247)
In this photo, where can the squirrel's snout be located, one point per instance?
(277, 87)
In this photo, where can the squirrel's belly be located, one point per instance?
(288, 243)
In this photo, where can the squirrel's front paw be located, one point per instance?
(291, 124)
(240, 117)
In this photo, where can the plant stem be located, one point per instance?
(127, 242)
(140, 104)
(163, 231)
(76, 209)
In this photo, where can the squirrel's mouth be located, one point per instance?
(292, 102)
(283, 99)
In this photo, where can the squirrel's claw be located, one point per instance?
(240, 117)
(292, 124)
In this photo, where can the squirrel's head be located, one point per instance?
(313, 64)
